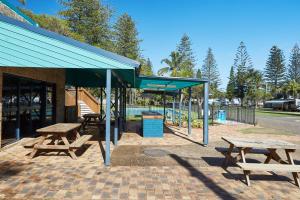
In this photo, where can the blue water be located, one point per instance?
(138, 110)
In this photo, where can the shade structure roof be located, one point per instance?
(156, 83)
(19, 13)
(24, 45)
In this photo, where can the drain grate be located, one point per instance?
(156, 152)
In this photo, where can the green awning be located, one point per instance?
(156, 83)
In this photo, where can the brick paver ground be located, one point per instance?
(52, 176)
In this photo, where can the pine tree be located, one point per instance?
(126, 37)
(275, 69)
(231, 85)
(146, 68)
(210, 70)
(185, 50)
(198, 74)
(90, 19)
(242, 64)
(186, 53)
(294, 66)
(197, 93)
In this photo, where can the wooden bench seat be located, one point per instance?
(269, 167)
(31, 143)
(52, 147)
(247, 167)
(80, 141)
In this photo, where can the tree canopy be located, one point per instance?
(90, 19)
(294, 65)
(126, 37)
(275, 71)
(210, 70)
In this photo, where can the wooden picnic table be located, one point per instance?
(59, 141)
(246, 145)
(91, 119)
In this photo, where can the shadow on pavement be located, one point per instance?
(208, 182)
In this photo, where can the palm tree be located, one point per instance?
(22, 2)
(254, 80)
(293, 87)
(176, 65)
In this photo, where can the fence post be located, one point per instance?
(254, 123)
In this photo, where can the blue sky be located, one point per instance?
(219, 24)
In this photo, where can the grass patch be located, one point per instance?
(277, 113)
(261, 130)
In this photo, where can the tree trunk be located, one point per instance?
(199, 102)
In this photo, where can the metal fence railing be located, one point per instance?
(240, 114)
(233, 113)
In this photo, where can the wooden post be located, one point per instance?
(107, 121)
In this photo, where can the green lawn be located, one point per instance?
(262, 130)
(273, 113)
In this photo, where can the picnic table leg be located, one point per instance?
(239, 156)
(70, 151)
(269, 156)
(35, 150)
(274, 155)
(246, 172)
(291, 161)
(227, 156)
(84, 123)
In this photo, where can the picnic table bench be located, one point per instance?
(58, 134)
(245, 145)
(91, 119)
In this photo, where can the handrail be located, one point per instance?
(85, 96)
(89, 95)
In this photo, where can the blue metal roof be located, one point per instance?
(20, 13)
(23, 45)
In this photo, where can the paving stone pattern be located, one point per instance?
(57, 176)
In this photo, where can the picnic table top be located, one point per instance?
(91, 115)
(261, 143)
(59, 128)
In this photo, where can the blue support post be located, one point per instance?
(107, 122)
(76, 102)
(124, 108)
(101, 103)
(121, 111)
(179, 117)
(116, 131)
(164, 106)
(189, 112)
(18, 112)
(205, 114)
(173, 111)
